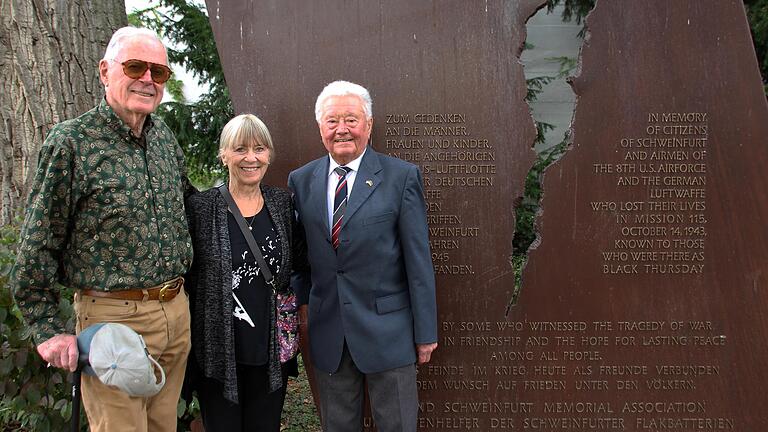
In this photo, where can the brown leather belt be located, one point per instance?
(165, 292)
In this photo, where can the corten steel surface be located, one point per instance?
(670, 143)
(448, 94)
(641, 307)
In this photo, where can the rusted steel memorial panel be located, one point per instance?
(642, 306)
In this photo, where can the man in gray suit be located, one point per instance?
(370, 284)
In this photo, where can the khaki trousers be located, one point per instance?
(165, 329)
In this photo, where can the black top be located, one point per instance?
(249, 290)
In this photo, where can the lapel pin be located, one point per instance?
(369, 183)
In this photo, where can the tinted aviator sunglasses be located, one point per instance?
(135, 69)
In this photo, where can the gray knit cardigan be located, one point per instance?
(209, 283)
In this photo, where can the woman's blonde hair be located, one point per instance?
(245, 128)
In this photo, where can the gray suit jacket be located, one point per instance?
(377, 290)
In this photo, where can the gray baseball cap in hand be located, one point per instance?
(118, 356)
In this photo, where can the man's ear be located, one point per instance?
(103, 69)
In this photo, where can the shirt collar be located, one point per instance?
(118, 125)
(354, 165)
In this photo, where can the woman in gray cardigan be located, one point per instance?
(243, 331)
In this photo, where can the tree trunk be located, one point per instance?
(49, 53)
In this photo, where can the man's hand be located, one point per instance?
(304, 317)
(304, 338)
(60, 351)
(425, 352)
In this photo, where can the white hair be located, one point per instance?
(128, 32)
(344, 88)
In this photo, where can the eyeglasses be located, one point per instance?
(136, 68)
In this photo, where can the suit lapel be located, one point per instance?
(318, 190)
(366, 181)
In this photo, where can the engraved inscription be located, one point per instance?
(453, 158)
(581, 359)
(664, 166)
(660, 212)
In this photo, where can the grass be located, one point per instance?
(299, 413)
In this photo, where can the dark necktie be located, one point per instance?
(339, 203)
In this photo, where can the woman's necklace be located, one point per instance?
(258, 209)
(250, 224)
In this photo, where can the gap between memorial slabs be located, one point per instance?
(549, 91)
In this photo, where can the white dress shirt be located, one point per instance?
(333, 180)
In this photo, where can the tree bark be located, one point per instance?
(49, 55)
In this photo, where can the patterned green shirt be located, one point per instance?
(105, 212)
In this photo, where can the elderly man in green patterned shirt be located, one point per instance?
(106, 217)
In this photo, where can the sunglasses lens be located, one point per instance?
(160, 73)
(135, 68)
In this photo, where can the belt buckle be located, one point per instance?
(167, 286)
